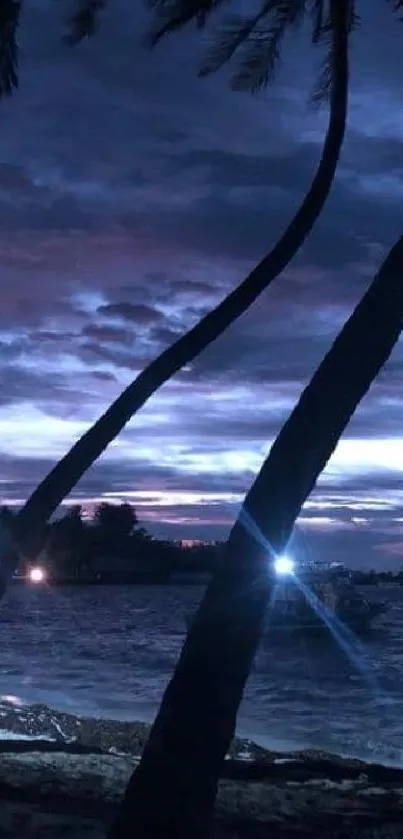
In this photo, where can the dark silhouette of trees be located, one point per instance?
(7, 516)
(115, 523)
(65, 548)
(111, 547)
(8, 556)
(172, 792)
(70, 526)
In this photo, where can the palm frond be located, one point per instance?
(10, 11)
(172, 15)
(322, 19)
(323, 85)
(258, 67)
(317, 13)
(232, 34)
(397, 6)
(323, 33)
(262, 52)
(84, 21)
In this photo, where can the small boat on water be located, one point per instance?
(317, 598)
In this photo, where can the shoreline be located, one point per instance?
(91, 730)
(54, 764)
(39, 722)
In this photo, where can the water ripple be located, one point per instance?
(110, 652)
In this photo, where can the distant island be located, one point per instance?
(112, 548)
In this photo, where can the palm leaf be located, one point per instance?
(84, 22)
(261, 55)
(10, 11)
(317, 13)
(397, 6)
(172, 15)
(322, 34)
(258, 67)
(323, 85)
(233, 33)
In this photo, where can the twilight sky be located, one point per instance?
(133, 196)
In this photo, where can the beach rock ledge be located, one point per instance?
(70, 785)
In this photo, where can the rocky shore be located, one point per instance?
(63, 776)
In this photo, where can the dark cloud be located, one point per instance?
(229, 169)
(108, 334)
(139, 313)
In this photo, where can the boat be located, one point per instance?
(316, 598)
(319, 597)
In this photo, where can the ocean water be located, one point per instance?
(109, 652)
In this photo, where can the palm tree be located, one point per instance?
(172, 792)
(262, 38)
(84, 22)
(9, 21)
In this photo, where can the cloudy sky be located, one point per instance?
(133, 196)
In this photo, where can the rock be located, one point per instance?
(21, 820)
(40, 792)
(53, 788)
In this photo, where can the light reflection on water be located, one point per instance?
(110, 651)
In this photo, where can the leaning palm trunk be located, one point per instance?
(61, 480)
(172, 792)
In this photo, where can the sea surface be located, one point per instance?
(109, 652)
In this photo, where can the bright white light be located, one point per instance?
(284, 565)
(37, 575)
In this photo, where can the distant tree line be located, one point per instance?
(111, 546)
(373, 577)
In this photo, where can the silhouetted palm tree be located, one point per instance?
(262, 38)
(172, 792)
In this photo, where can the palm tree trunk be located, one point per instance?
(61, 480)
(171, 794)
